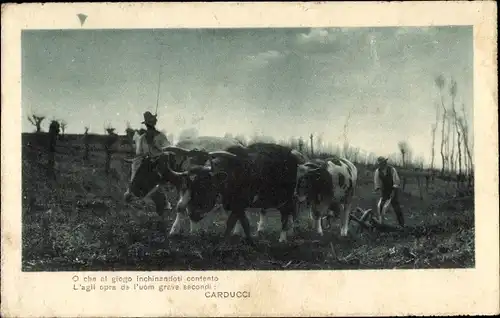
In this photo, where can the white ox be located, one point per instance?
(327, 185)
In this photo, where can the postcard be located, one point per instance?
(249, 159)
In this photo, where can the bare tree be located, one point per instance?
(36, 121)
(450, 145)
(449, 141)
(346, 126)
(346, 153)
(409, 157)
(54, 130)
(440, 82)
(86, 143)
(64, 124)
(319, 143)
(109, 141)
(300, 144)
(394, 159)
(453, 120)
(129, 131)
(465, 137)
(370, 158)
(354, 154)
(403, 149)
(433, 136)
(109, 130)
(459, 146)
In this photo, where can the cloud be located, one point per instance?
(314, 36)
(264, 58)
(320, 41)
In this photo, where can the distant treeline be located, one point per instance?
(69, 138)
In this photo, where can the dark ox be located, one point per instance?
(262, 176)
(327, 186)
(148, 172)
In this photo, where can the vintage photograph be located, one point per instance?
(247, 148)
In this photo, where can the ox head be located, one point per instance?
(312, 179)
(203, 183)
(145, 175)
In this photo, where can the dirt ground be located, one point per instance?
(80, 222)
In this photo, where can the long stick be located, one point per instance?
(158, 93)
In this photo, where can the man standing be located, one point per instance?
(151, 142)
(386, 180)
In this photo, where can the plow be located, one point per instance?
(367, 219)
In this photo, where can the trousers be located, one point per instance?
(386, 195)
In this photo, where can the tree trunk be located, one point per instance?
(442, 144)
(447, 145)
(452, 154)
(433, 144)
(459, 157)
(451, 128)
(466, 146)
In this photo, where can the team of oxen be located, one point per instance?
(211, 174)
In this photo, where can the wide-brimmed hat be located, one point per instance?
(381, 160)
(149, 118)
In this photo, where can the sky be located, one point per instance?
(276, 82)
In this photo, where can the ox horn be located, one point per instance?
(175, 150)
(175, 173)
(128, 160)
(222, 153)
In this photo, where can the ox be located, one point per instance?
(327, 186)
(262, 176)
(148, 172)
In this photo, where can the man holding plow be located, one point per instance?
(386, 180)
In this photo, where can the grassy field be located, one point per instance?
(79, 222)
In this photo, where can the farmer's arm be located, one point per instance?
(376, 180)
(395, 178)
(138, 145)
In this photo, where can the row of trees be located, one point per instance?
(456, 145)
(58, 127)
(36, 121)
(314, 146)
